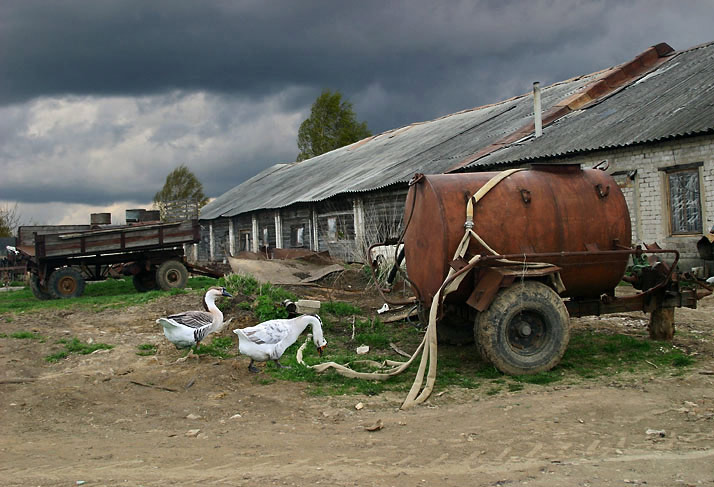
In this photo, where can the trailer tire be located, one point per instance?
(65, 283)
(171, 274)
(479, 348)
(40, 291)
(525, 330)
(145, 281)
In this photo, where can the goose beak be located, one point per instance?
(226, 293)
(320, 349)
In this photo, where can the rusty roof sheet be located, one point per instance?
(676, 98)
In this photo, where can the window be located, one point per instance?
(297, 236)
(332, 229)
(684, 201)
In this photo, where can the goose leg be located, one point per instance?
(252, 367)
(281, 366)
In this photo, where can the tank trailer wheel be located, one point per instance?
(65, 283)
(40, 291)
(525, 330)
(145, 281)
(171, 274)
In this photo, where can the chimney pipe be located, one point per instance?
(537, 109)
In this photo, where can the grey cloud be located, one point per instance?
(100, 100)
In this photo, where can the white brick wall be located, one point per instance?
(647, 198)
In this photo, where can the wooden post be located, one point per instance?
(661, 325)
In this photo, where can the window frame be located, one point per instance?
(675, 226)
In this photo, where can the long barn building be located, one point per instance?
(651, 119)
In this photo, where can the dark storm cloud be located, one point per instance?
(256, 48)
(100, 100)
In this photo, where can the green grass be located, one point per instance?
(146, 349)
(111, 293)
(219, 347)
(25, 335)
(339, 308)
(591, 355)
(75, 346)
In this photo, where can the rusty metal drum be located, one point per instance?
(546, 209)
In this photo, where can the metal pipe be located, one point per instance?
(537, 109)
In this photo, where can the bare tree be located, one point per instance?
(9, 220)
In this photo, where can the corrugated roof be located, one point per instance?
(664, 103)
(674, 100)
(388, 158)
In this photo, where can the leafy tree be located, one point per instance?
(182, 196)
(9, 220)
(332, 123)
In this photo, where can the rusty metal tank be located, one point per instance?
(545, 209)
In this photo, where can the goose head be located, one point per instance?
(213, 293)
(317, 338)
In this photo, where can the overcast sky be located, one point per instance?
(101, 99)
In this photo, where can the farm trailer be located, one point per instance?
(60, 264)
(509, 257)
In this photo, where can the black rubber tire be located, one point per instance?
(526, 329)
(479, 348)
(40, 292)
(145, 281)
(453, 330)
(65, 283)
(171, 274)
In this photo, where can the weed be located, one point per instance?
(239, 284)
(681, 360)
(268, 309)
(146, 349)
(338, 308)
(267, 298)
(25, 335)
(75, 346)
(219, 347)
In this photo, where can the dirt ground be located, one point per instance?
(116, 418)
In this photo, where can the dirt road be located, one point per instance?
(116, 418)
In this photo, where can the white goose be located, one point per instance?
(190, 327)
(269, 339)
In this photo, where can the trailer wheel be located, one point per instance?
(66, 283)
(40, 291)
(145, 281)
(171, 274)
(525, 330)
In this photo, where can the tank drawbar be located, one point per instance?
(420, 389)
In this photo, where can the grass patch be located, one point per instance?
(146, 349)
(591, 355)
(265, 300)
(108, 294)
(25, 335)
(339, 308)
(75, 346)
(219, 347)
